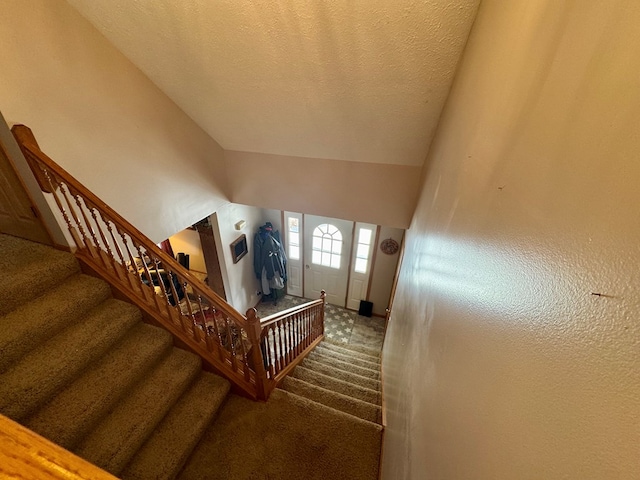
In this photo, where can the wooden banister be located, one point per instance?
(25, 454)
(289, 336)
(253, 355)
(27, 142)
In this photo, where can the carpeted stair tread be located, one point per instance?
(346, 358)
(24, 328)
(372, 352)
(75, 411)
(344, 365)
(353, 406)
(166, 451)
(288, 437)
(47, 369)
(28, 269)
(347, 376)
(349, 352)
(112, 444)
(340, 386)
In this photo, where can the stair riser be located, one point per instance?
(29, 270)
(345, 366)
(48, 369)
(331, 399)
(336, 385)
(117, 439)
(33, 324)
(348, 377)
(345, 358)
(77, 410)
(351, 353)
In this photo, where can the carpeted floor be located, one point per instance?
(341, 325)
(289, 437)
(81, 369)
(323, 422)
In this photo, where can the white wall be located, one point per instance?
(384, 270)
(499, 362)
(100, 118)
(362, 192)
(240, 282)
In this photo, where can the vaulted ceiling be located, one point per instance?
(356, 80)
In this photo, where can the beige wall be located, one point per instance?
(500, 363)
(100, 118)
(384, 270)
(240, 282)
(363, 192)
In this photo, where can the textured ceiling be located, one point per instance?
(358, 80)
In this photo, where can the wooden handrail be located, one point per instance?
(253, 355)
(118, 252)
(27, 142)
(25, 454)
(284, 313)
(288, 336)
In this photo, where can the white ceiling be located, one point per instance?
(358, 80)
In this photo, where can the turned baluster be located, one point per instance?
(268, 352)
(147, 273)
(52, 188)
(299, 327)
(294, 334)
(194, 325)
(286, 325)
(203, 317)
(254, 332)
(97, 217)
(245, 359)
(173, 291)
(117, 262)
(123, 262)
(323, 296)
(163, 287)
(134, 267)
(291, 339)
(283, 342)
(216, 332)
(278, 345)
(232, 348)
(83, 235)
(83, 210)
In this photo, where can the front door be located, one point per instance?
(327, 251)
(18, 215)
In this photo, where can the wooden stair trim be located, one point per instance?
(25, 454)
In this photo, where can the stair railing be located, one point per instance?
(230, 343)
(289, 335)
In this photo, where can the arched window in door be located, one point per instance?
(327, 246)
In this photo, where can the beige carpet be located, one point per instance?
(82, 370)
(79, 367)
(289, 437)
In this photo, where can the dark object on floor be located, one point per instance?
(366, 308)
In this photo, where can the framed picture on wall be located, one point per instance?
(239, 248)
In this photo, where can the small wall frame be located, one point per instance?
(239, 248)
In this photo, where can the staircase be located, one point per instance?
(342, 377)
(81, 369)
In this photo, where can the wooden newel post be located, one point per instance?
(254, 332)
(323, 296)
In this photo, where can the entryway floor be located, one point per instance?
(340, 325)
